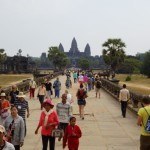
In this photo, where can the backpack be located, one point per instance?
(81, 94)
(147, 126)
(98, 84)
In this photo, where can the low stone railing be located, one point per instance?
(114, 89)
(24, 85)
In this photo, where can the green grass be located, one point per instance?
(9, 79)
(138, 83)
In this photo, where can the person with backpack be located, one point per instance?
(144, 121)
(98, 86)
(81, 95)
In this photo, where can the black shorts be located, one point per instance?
(81, 102)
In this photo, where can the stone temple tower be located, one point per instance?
(87, 50)
(74, 48)
(61, 48)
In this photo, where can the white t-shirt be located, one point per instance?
(69, 99)
(8, 146)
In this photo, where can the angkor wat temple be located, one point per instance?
(75, 54)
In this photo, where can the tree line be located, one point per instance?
(113, 54)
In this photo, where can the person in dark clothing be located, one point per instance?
(48, 86)
(13, 94)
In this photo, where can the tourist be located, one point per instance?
(32, 85)
(81, 95)
(23, 107)
(48, 86)
(72, 135)
(98, 85)
(41, 94)
(14, 126)
(13, 93)
(68, 83)
(69, 100)
(124, 96)
(4, 145)
(48, 121)
(144, 121)
(64, 112)
(80, 79)
(5, 106)
(57, 87)
(75, 76)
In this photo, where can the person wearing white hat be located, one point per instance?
(23, 107)
(4, 145)
(5, 105)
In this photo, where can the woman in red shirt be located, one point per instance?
(48, 121)
(72, 135)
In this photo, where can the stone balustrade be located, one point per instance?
(114, 90)
(24, 85)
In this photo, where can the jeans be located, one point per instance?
(123, 108)
(57, 93)
(45, 140)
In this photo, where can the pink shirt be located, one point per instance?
(52, 119)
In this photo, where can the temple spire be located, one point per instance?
(61, 48)
(87, 50)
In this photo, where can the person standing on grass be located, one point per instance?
(81, 95)
(64, 112)
(32, 87)
(48, 121)
(143, 117)
(72, 135)
(124, 96)
(23, 108)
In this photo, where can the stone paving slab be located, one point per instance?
(103, 127)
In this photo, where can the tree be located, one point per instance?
(84, 63)
(131, 65)
(146, 64)
(113, 53)
(58, 58)
(3, 56)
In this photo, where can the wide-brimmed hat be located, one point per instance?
(21, 94)
(2, 129)
(3, 94)
(48, 101)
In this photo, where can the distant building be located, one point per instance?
(74, 55)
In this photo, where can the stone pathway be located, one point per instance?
(103, 127)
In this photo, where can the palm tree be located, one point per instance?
(113, 53)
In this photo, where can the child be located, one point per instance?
(72, 135)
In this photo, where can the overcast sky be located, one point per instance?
(35, 25)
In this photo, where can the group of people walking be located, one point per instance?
(13, 110)
(59, 121)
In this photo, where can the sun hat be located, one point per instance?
(48, 101)
(2, 129)
(3, 94)
(21, 95)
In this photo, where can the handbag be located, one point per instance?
(57, 133)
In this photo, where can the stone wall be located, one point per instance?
(114, 89)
